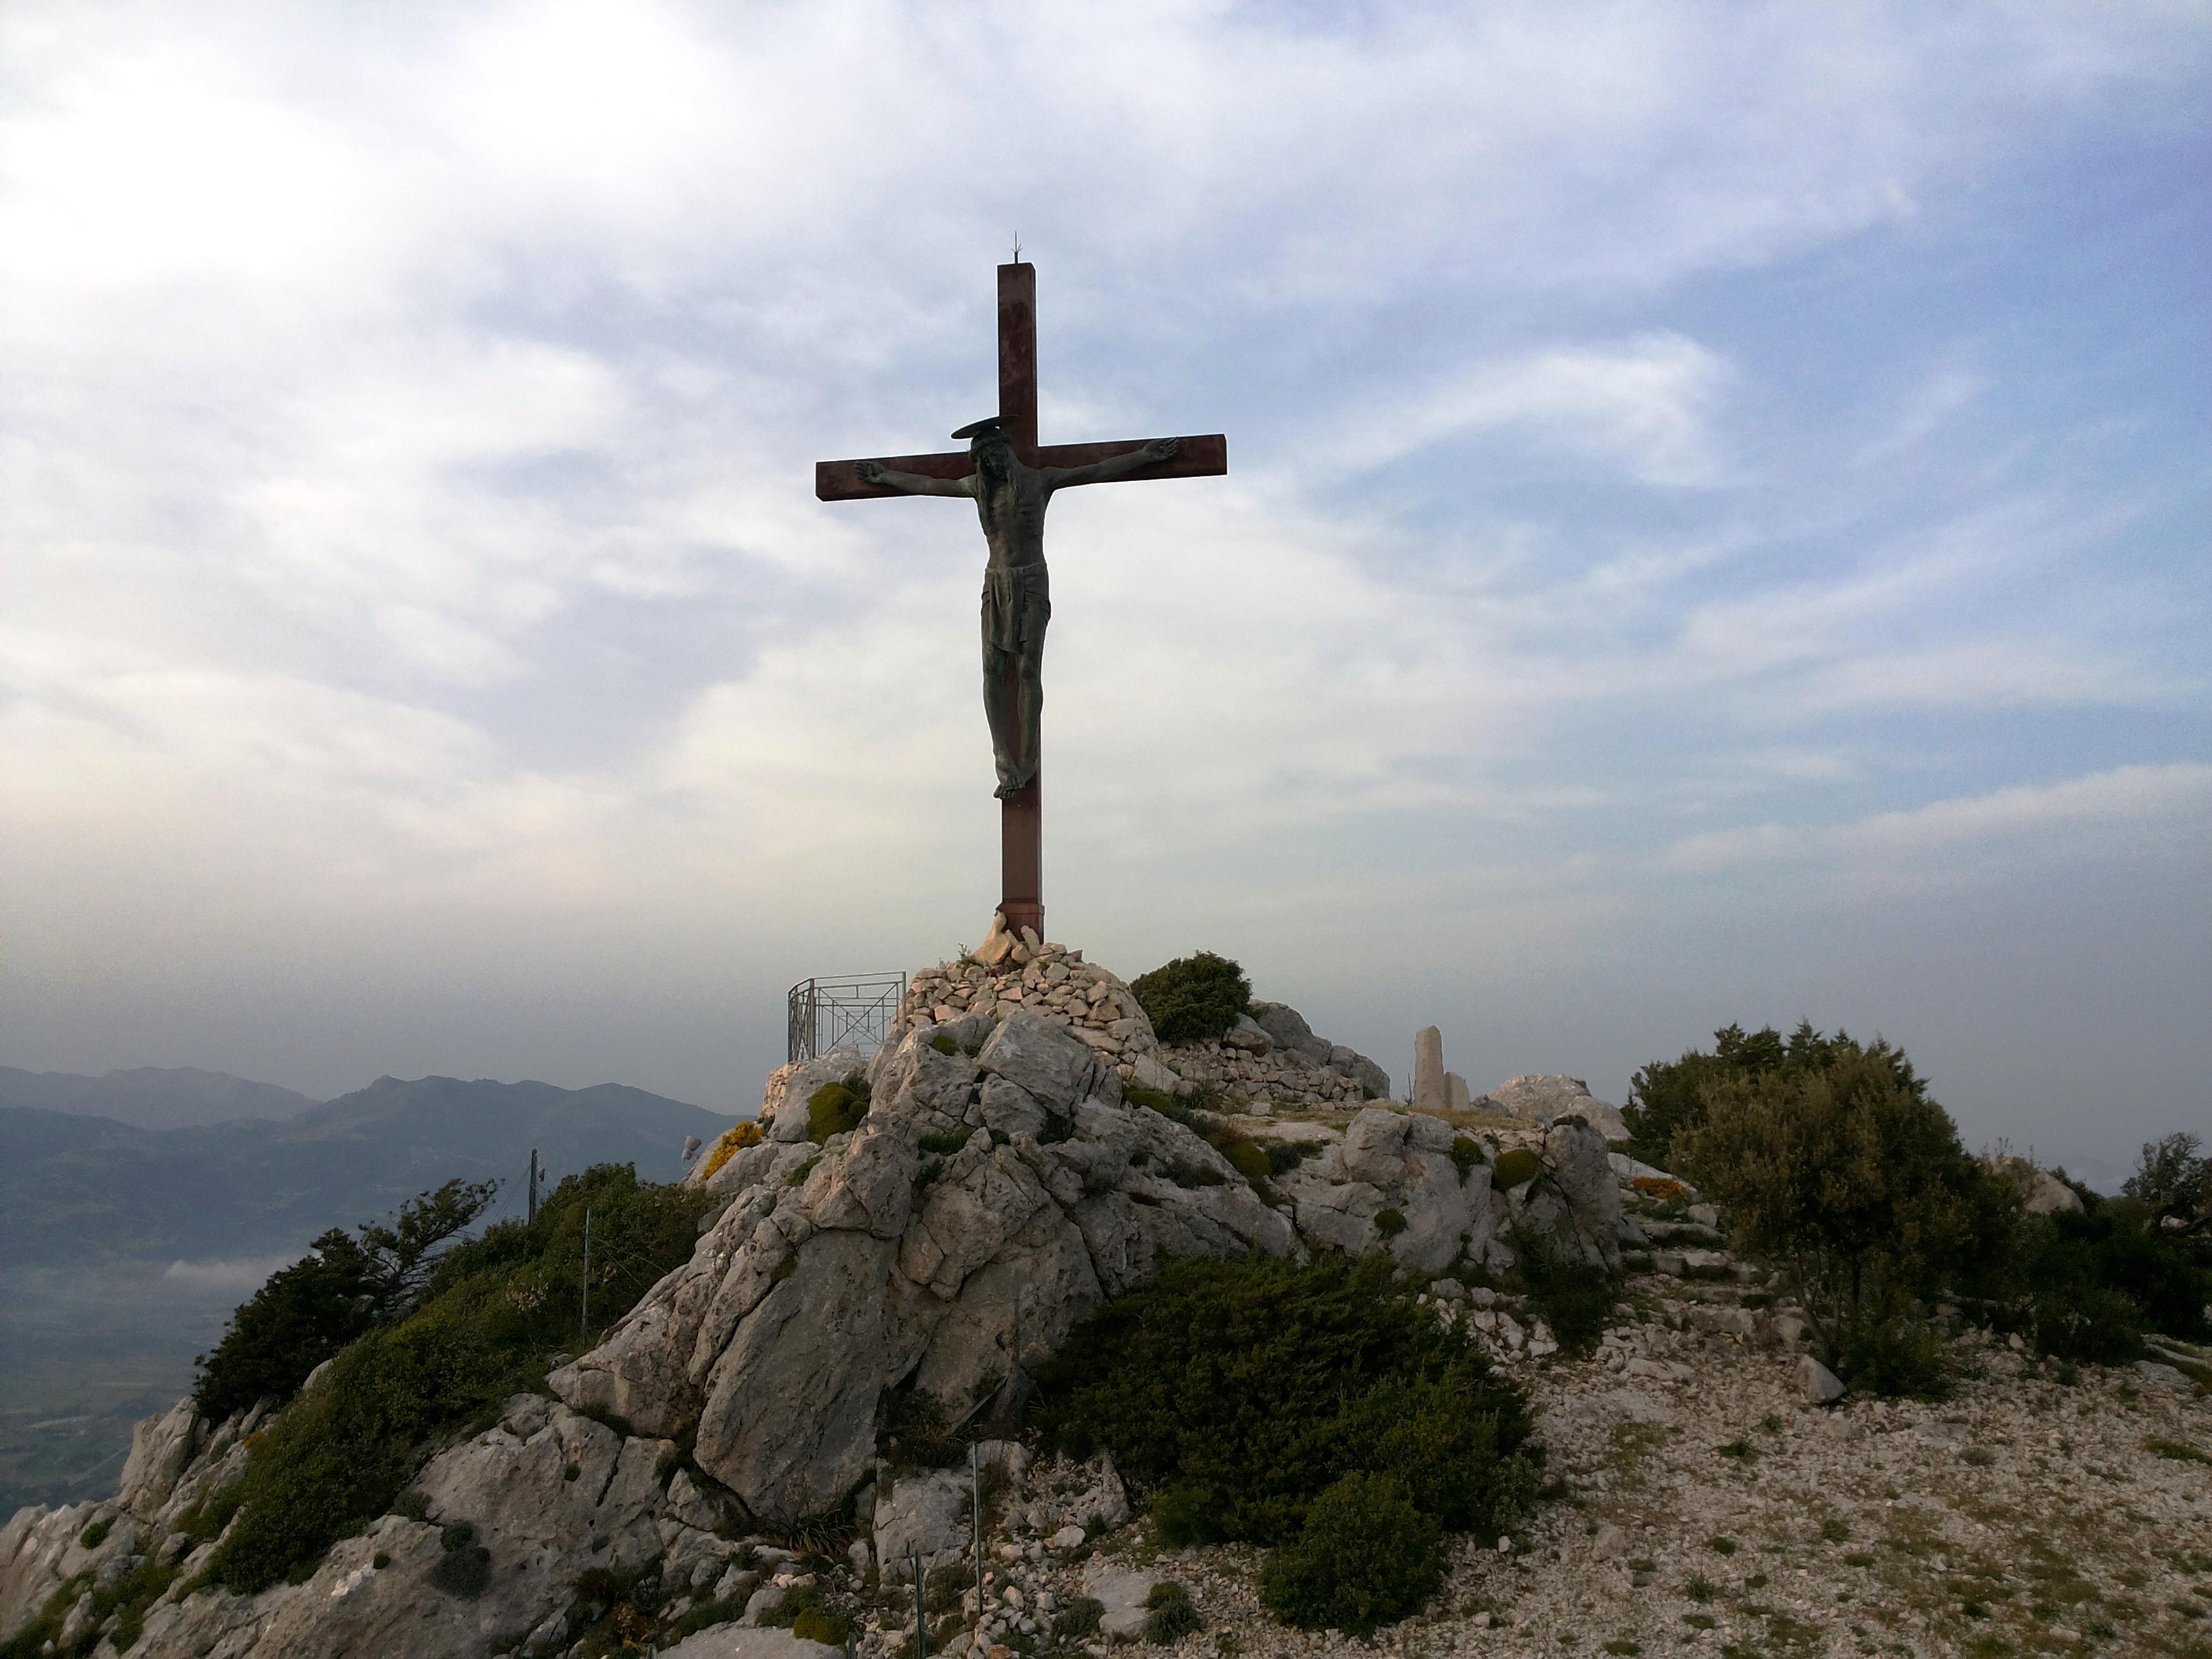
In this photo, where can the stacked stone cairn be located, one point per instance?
(1270, 1059)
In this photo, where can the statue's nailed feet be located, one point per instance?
(1015, 784)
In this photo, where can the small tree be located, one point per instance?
(1195, 999)
(1669, 1095)
(1845, 1172)
(341, 1289)
(2173, 1180)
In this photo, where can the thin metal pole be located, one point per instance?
(920, 1616)
(975, 1474)
(584, 1321)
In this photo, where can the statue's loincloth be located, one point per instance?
(1017, 605)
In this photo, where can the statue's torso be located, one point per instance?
(1012, 513)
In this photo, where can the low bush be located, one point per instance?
(465, 1568)
(1367, 1556)
(1173, 1615)
(1466, 1155)
(2099, 1277)
(95, 1534)
(729, 1144)
(911, 1432)
(943, 1044)
(806, 1615)
(1576, 1299)
(1195, 999)
(1232, 1395)
(494, 1306)
(835, 1108)
(1285, 1155)
(1887, 1348)
(1516, 1169)
(1390, 1223)
(1078, 1621)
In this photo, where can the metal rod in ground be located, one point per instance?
(921, 1616)
(975, 1475)
(584, 1319)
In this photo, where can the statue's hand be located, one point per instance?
(1162, 449)
(869, 472)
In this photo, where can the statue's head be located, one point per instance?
(988, 446)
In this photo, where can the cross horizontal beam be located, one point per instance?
(1202, 457)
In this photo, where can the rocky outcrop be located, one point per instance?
(995, 1186)
(1547, 1097)
(2040, 1192)
(1576, 1202)
(1392, 1183)
(988, 1201)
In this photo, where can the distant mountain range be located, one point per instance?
(79, 1185)
(150, 1096)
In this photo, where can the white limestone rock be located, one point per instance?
(1543, 1098)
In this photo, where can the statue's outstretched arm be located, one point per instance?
(1121, 466)
(912, 484)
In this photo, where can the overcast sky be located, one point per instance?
(1717, 529)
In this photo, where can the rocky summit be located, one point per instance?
(902, 1239)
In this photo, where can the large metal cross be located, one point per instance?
(1021, 819)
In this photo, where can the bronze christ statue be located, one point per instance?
(1011, 498)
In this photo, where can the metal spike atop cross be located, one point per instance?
(1021, 821)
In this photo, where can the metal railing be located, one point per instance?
(852, 1012)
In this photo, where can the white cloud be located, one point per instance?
(2127, 811)
(1645, 407)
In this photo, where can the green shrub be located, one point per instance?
(1233, 1393)
(1887, 1348)
(1156, 1100)
(1389, 1223)
(1195, 999)
(2172, 1180)
(944, 1146)
(2098, 1278)
(93, 1536)
(707, 1615)
(2091, 1323)
(1515, 1168)
(1285, 1155)
(1576, 1299)
(1848, 1175)
(943, 1044)
(306, 1313)
(465, 1568)
(1368, 1556)
(911, 1432)
(834, 1108)
(1668, 1096)
(820, 1624)
(1174, 1615)
(1078, 1622)
(1466, 1155)
(1251, 1161)
(338, 1458)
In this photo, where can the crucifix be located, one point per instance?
(1010, 476)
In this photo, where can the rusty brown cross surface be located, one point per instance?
(1021, 817)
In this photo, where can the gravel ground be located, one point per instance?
(1720, 1516)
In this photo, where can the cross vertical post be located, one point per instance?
(1021, 815)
